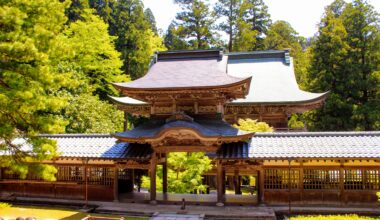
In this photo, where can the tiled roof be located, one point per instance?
(316, 145)
(101, 146)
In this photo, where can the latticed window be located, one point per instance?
(321, 179)
(280, 179)
(69, 173)
(125, 174)
(372, 179)
(100, 176)
(353, 179)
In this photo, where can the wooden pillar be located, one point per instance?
(153, 164)
(301, 180)
(116, 184)
(237, 182)
(220, 177)
(261, 186)
(165, 176)
(341, 182)
(85, 178)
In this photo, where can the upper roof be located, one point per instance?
(273, 78)
(359, 145)
(184, 69)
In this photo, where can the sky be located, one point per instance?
(303, 15)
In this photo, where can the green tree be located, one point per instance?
(241, 35)
(89, 52)
(185, 172)
(103, 8)
(345, 61)
(195, 24)
(253, 125)
(136, 41)
(172, 41)
(149, 17)
(257, 15)
(87, 114)
(29, 84)
(75, 10)
(362, 24)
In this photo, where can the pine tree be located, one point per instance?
(103, 8)
(195, 24)
(28, 83)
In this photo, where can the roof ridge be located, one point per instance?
(319, 133)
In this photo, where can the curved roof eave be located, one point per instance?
(319, 97)
(126, 100)
(242, 81)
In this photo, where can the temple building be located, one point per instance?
(190, 100)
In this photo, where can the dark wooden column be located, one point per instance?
(153, 164)
(301, 179)
(237, 182)
(220, 177)
(261, 186)
(165, 176)
(116, 184)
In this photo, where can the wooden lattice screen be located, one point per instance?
(321, 179)
(279, 178)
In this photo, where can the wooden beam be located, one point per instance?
(301, 179)
(237, 182)
(153, 164)
(116, 184)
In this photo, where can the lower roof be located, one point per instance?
(307, 145)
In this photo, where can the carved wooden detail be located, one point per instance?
(207, 109)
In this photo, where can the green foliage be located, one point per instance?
(90, 54)
(253, 125)
(88, 114)
(345, 60)
(28, 83)
(103, 9)
(295, 122)
(136, 41)
(378, 196)
(185, 172)
(333, 217)
(74, 12)
(173, 41)
(4, 205)
(256, 14)
(195, 24)
(149, 17)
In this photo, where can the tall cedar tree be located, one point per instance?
(195, 24)
(136, 41)
(149, 17)
(241, 36)
(258, 16)
(345, 60)
(363, 37)
(28, 84)
(103, 8)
